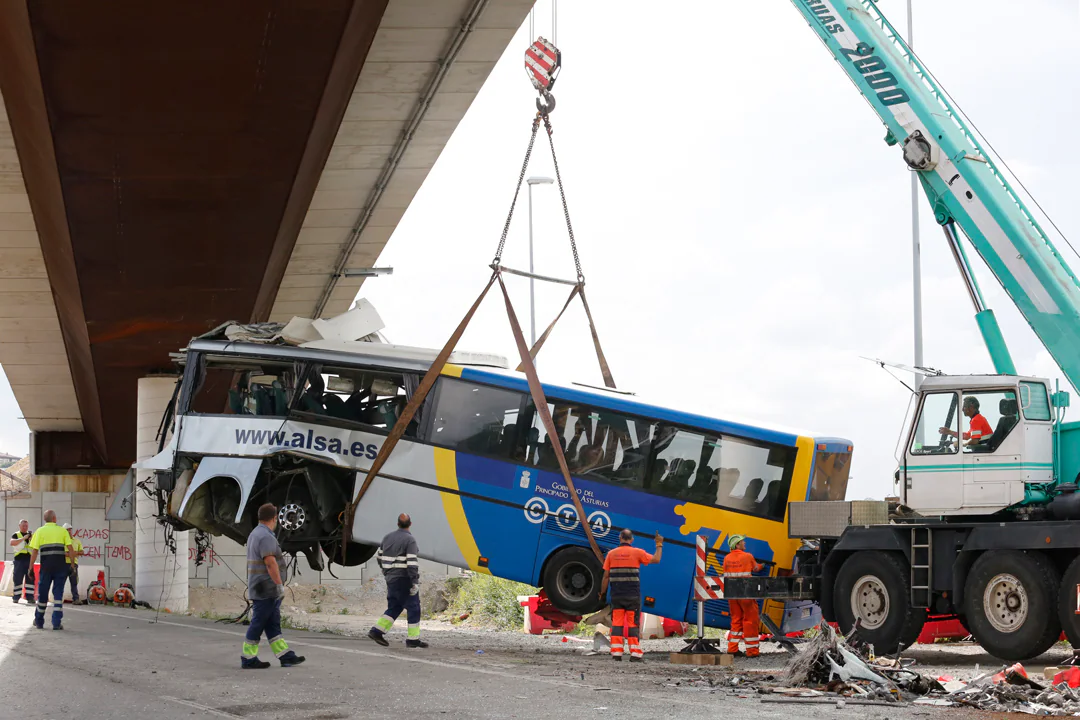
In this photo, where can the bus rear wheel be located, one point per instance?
(572, 581)
(872, 588)
(1009, 603)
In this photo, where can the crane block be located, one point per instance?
(542, 63)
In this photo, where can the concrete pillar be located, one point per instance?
(161, 578)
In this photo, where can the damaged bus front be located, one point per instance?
(259, 422)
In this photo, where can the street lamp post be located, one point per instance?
(916, 250)
(532, 283)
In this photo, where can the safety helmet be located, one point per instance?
(67, 526)
(734, 540)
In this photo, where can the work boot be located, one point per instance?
(378, 637)
(617, 658)
(291, 659)
(58, 627)
(15, 600)
(415, 644)
(253, 663)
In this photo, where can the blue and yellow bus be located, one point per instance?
(477, 471)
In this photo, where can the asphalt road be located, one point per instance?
(113, 663)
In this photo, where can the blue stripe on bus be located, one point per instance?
(633, 407)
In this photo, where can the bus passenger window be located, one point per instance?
(683, 453)
(358, 395)
(476, 418)
(724, 471)
(243, 386)
(598, 444)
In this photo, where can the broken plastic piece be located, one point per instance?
(853, 668)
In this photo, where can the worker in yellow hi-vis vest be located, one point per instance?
(73, 563)
(53, 544)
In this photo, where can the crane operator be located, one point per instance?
(980, 430)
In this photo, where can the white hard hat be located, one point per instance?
(67, 526)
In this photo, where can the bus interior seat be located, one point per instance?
(506, 444)
(773, 502)
(335, 407)
(270, 399)
(312, 399)
(1008, 409)
(238, 395)
(752, 492)
(355, 405)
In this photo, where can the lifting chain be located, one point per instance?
(562, 194)
(545, 116)
(517, 190)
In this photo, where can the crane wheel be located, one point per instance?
(1009, 604)
(873, 587)
(1069, 605)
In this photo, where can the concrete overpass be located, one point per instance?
(165, 167)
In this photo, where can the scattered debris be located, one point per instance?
(826, 656)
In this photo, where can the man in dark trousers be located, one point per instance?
(266, 588)
(401, 568)
(622, 570)
(53, 544)
(24, 571)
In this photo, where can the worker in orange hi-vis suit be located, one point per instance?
(744, 613)
(621, 569)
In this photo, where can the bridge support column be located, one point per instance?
(161, 578)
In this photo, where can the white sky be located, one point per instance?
(744, 230)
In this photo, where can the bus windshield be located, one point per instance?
(830, 475)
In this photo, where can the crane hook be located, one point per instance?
(545, 104)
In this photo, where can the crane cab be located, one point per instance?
(977, 444)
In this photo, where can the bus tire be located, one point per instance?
(1009, 604)
(1067, 605)
(873, 588)
(572, 581)
(355, 553)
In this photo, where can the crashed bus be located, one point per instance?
(260, 421)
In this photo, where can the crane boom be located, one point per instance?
(963, 184)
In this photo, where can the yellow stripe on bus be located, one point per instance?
(446, 476)
(451, 370)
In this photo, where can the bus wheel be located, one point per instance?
(872, 588)
(355, 553)
(1009, 603)
(1068, 605)
(572, 581)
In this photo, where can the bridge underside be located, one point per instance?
(170, 166)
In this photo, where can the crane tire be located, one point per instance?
(1009, 604)
(874, 587)
(1067, 603)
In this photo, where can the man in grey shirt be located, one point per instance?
(266, 588)
(401, 568)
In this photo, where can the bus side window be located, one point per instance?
(597, 443)
(723, 471)
(475, 418)
(675, 471)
